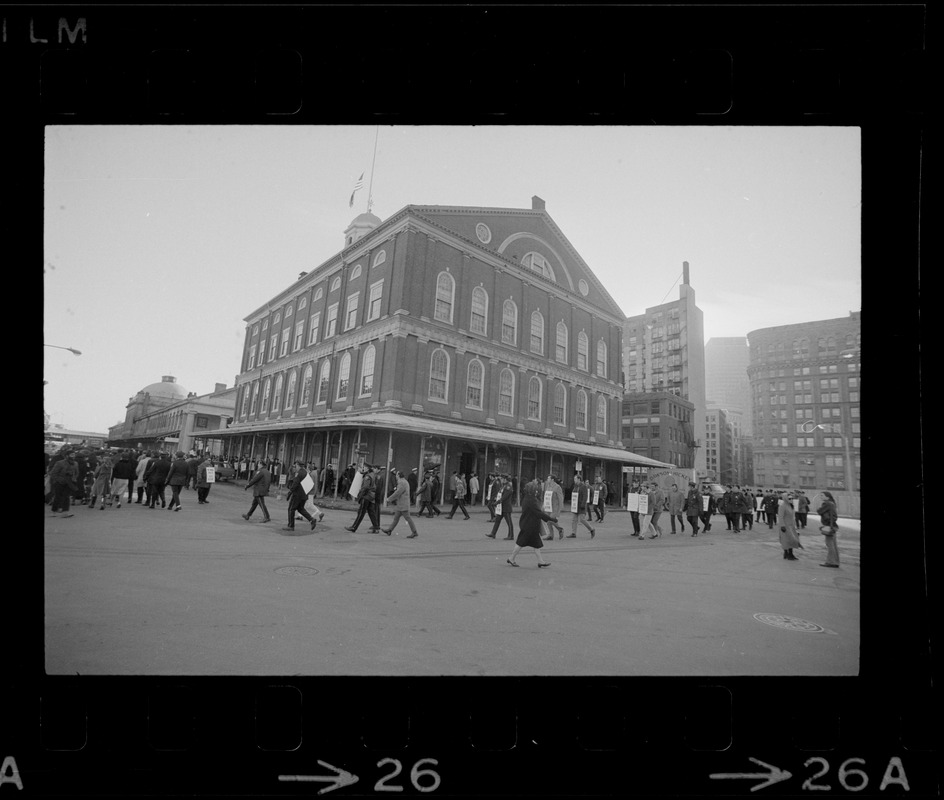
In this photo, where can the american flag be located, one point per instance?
(358, 185)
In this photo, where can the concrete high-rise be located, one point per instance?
(664, 351)
(726, 383)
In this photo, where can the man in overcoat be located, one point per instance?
(260, 490)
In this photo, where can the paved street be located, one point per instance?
(203, 592)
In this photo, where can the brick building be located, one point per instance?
(471, 339)
(805, 380)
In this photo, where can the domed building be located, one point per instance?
(164, 415)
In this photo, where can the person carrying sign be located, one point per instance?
(367, 497)
(693, 507)
(503, 509)
(297, 496)
(552, 496)
(579, 503)
(204, 480)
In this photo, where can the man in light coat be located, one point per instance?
(400, 499)
(583, 492)
(557, 502)
(656, 507)
(676, 504)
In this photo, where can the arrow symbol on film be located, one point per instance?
(341, 779)
(774, 775)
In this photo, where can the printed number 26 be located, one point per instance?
(415, 775)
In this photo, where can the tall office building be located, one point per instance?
(805, 384)
(664, 351)
(726, 383)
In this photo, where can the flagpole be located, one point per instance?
(370, 186)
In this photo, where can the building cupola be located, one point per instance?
(360, 226)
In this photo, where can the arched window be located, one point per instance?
(277, 394)
(265, 396)
(336, 284)
(356, 272)
(290, 391)
(246, 401)
(506, 392)
(601, 358)
(538, 263)
(306, 387)
(560, 404)
(583, 351)
(581, 410)
(474, 382)
(319, 293)
(509, 322)
(479, 321)
(601, 414)
(535, 388)
(438, 374)
(561, 348)
(324, 380)
(537, 332)
(367, 371)
(380, 258)
(445, 294)
(344, 375)
(302, 303)
(255, 398)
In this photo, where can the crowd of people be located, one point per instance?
(105, 478)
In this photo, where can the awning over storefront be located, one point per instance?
(430, 426)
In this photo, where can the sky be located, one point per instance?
(160, 240)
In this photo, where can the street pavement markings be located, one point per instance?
(792, 623)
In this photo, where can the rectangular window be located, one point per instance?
(331, 323)
(252, 357)
(273, 343)
(373, 301)
(350, 315)
(299, 335)
(283, 348)
(313, 328)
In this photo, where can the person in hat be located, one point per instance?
(803, 508)
(503, 509)
(412, 481)
(829, 527)
(122, 478)
(693, 507)
(193, 462)
(424, 494)
(260, 490)
(177, 478)
(557, 503)
(458, 495)
(203, 485)
(297, 496)
(63, 477)
(473, 488)
(400, 498)
(367, 501)
(101, 487)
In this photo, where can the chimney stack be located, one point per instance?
(537, 204)
(685, 273)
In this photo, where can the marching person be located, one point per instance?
(557, 502)
(260, 490)
(458, 495)
(494, 490)
(140, 484)
(770, 508)
(692, 507)
(297, 496)
(803, 508)
(758, 501)
(582, 491)
(529, 524)
(503, 509)
(412, 482)
(634, 515)
(829, 527)
(600, 492)
(367, 498)
(400, 498)
(676, 505)
(156, 477)
(744, 501)
(192, 464)
(63, 477)
(177, 478)
(656, 507)
(122, 478)
(786, 520)
(707, 512)
(424, 494)
(102, 484)
(203, 485)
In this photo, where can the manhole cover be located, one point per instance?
(296, 571)
(789, 623)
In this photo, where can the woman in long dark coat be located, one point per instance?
(529, 524)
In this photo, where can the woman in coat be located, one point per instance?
(829, 518)
(102, 485)
(786, 520)
(529, 524)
